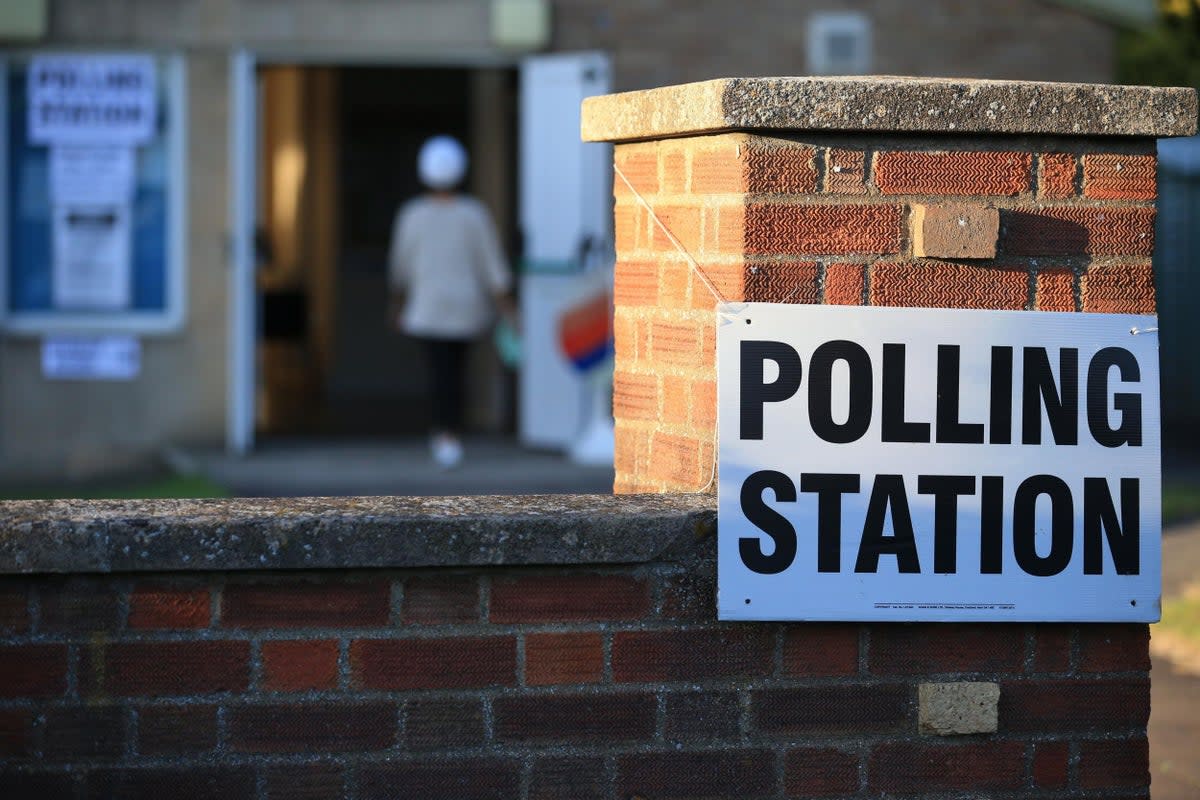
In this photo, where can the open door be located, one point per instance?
(243, 134)
(566, 224)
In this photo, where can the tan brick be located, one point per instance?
(639, 163)
(674, 173)
(676, 400)
(676, 460)
(727, 235)
(684, 224)
(677, 343)
(704, 404)
(708, 347)
(635, 283)
(845, 171)
(954, 230)
(627, 227)
(1118, 289)
(708, 466)
(631, 448)
(717, 172)
(1114, 176)
(1055, 290)
(642, 329)
(727, 279)
(1056, 175)
(625, 484)
(675, 280)
(635, 396)
(624, 338)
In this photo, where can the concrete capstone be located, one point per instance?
(81, 536)
(891, 104)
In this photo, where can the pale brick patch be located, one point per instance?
(948, 709)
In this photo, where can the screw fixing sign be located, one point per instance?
(933, 464)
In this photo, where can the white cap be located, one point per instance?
(442, 162)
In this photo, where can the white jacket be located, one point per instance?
(446, 258)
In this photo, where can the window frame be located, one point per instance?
(824, 24)
(171, 318)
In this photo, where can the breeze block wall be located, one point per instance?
(858, 192)
(518, 649)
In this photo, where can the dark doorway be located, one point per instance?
(346, 370)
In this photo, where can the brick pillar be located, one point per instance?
(880, 191)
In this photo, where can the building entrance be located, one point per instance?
(336, 158)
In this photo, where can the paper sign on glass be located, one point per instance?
(91, 268)
(941, 465)
(92, 99)
(92, 174)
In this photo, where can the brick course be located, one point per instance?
(529, 697)
(962, 173)
(775, 219)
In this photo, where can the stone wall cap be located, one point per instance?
(882, 104)
(80, 536)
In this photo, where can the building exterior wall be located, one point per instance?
(77, 429)
(664, 42)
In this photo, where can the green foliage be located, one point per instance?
(174, 487)
(1181, 615)
(1180, 501)
(1165, 55)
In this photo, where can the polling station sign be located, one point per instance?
(92, 99)
(938, 465)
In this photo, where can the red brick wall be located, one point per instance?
(530, 683)
(827, 220)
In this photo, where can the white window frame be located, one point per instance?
(823, 25)
(171, 318)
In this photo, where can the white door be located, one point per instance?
(243, 136)
(566, 223)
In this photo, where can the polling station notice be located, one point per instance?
(92, 99)
(938, 465)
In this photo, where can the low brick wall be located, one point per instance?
(518, 648)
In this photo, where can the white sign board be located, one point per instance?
(112, 358)
(939, 465)
(91, 268)
(93, 99)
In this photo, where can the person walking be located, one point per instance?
(448, 280)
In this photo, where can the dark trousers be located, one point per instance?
(447, 361)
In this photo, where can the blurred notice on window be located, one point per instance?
(91, 174)
(110, 358)
(91, 256)
(97, 99)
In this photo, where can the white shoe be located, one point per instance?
(447, 451)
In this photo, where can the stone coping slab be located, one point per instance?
(879, 104)
(89, 536)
